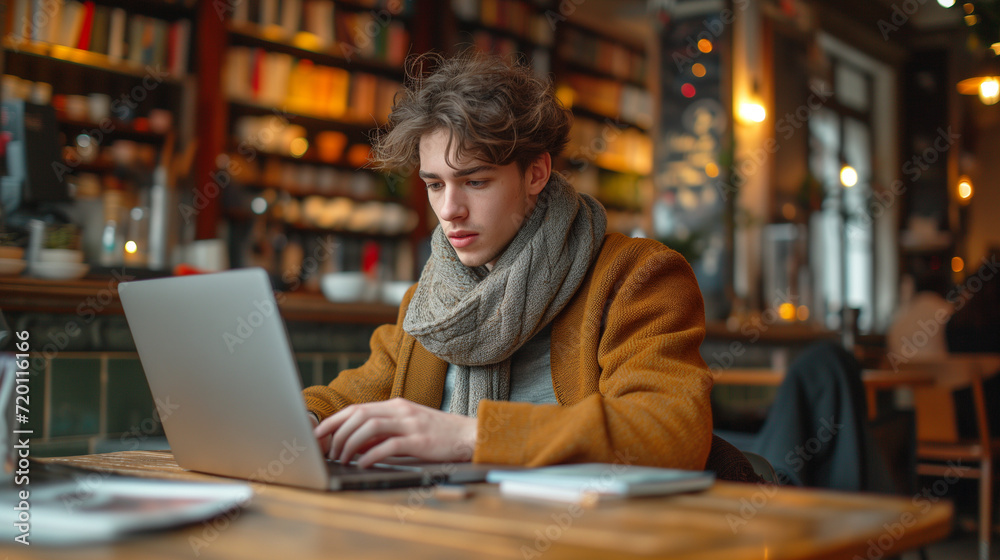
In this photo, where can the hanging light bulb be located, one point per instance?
(985, 82)
(989, 90)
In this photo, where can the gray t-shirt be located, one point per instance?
(530, 373)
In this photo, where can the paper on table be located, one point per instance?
(85, 511)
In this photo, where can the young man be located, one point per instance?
(533, 337)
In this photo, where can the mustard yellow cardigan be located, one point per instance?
(631, 384)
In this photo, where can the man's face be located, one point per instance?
(480, 206)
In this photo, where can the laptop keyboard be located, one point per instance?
(338, 468)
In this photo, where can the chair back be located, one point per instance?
(730, 464)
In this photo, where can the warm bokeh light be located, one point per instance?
(964, 188)
(957, 264)
(566, 95)
(788, 211)
(787, 311)
(848, 176)
(989, 90)
(802, 313)
(752, 112)
(131, 247)
(968, 7)
(698, 69)
(712, 170)
(971, 20)
(687, 90)
(298, 147)
(705, 46)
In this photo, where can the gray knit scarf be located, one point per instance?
(476, 318)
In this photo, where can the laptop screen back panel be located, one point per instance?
(216, 355)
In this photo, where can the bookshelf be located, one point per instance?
(503, 27)
(604, 79)
(118, 76)
(302, 85)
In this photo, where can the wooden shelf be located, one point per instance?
(96, 61)
(357, 129)
(471, 27)
(591, 114)
(244, 215)
(306, 193)
(119, 129)
(581, 68)
(87, 295)
(251, 35)
(160, 9)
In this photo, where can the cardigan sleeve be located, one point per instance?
(371, 382)
(645, 401)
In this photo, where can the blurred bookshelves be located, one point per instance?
(303, 84)
(120, 79)
(604, 78)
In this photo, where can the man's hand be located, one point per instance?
(397, 427)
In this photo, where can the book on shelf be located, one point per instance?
(86, 26)
(589, 481)
(116, 34)
(101, 32)
(302, 86)
(70, 25)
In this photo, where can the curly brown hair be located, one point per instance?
(496, 110)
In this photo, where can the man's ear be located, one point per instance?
(538, 172)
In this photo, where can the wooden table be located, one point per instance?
(731, 521)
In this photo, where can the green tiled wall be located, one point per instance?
(75, 397)
(74, 393)
(130, 404)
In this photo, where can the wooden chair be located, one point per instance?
(940, 446)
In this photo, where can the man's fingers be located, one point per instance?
(373, 428)
(388, 448)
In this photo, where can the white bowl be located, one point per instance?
(59, 270)
(12, 267)
(60, 255)
(344, 286)
(393, 292)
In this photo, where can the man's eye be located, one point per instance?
(476, 183)
(434, 186)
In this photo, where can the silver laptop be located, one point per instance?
(220, 368)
